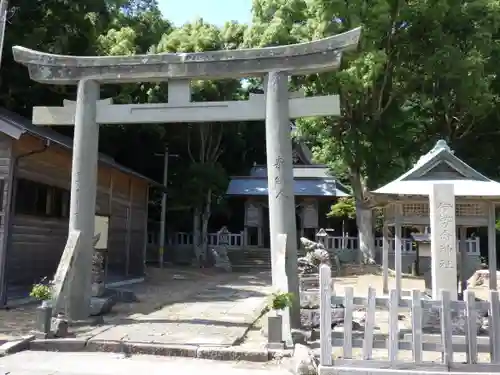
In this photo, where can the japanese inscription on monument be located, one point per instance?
(443, 239)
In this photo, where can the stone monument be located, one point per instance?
(274, 64)
(444, 272)
(443, 240)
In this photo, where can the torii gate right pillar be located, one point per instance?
(280, 184)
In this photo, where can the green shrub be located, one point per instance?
(280, 301)
(42, 291)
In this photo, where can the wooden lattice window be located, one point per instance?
(469, 209)
(415, 209)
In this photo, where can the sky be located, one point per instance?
(213, 11)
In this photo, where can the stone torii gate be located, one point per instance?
(277, 105)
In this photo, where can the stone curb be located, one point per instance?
(15, 346)
(172, 350)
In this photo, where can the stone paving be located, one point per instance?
(216, 315)
(172, 301)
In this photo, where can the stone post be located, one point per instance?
(280, 183)
(443, 240)
(462, 236)
(385, 257)
(398, 253)
(492, 246)
(83, 197)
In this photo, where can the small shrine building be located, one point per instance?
(315, 192)
(406, 204)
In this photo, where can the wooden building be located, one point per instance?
(35, 180)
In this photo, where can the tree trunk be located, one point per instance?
(196, 236)
(364, 220)
(205, 217)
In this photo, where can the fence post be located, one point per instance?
(494, 326)
(325, 315)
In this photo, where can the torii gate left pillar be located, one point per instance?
(83, 198)
(88, 73)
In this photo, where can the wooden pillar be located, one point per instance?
(110, 193)
(128, 240)
(492, 246)
(110, 214)
(300, 208)
(145, 243)
(397, 248)
(245, 237)
(260, 232)
(462, 241)
(385, 257)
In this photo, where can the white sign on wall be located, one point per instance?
(101, 229)
(252, 217)
(310, 214)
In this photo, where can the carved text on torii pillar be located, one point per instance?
(278, 183)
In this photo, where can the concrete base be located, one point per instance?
(90, 321)
(190, 351)
(43, 319)
(274, 329)
(15, 346)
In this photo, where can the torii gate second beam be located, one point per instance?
(182, 110)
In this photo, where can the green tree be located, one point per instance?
(205, 141)
(353, 145)
(383, 125)
(60, 27)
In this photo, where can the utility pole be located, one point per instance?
(163, 209)
(4, 6)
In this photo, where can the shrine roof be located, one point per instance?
(15, 126)
(299, 171)
(440, 165)
(314, 187)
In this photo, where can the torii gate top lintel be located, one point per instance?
(316, 56)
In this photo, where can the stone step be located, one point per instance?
(250, 258)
